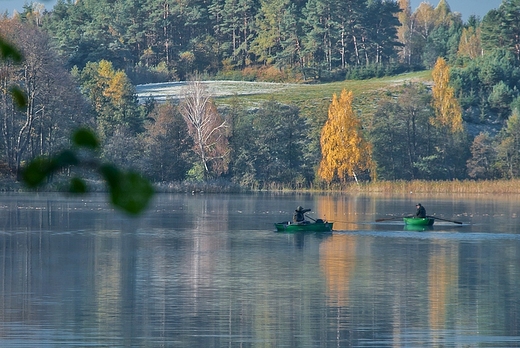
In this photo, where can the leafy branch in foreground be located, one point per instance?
(10, 52)
(128, 190)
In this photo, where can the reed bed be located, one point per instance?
(377, 187)
(434, 187)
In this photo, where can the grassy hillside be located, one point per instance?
(366, 92)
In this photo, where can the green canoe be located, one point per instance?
(415, 221)
(318, 226)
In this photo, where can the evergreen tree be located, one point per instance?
(510, 25)
(290, 55)
(317, 40)
(381, 27)
(237, 24)
(492, 36)
(268, 147)
(403, 140)
(348, 19)
(166, 144)
(266, 44)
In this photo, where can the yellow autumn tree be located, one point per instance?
(343, 148)
(469, 43)
(448, 112)
(424, 20)
(404, 32)
(443, 14)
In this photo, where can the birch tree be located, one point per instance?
(448, 112)
(206, 127)
(508, 148)
(404, 32)
(343, 147)
(469, 44)
(43, 121)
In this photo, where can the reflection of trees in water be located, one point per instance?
(338, 261)
(343, 210)
(442, 281)
(211, 215)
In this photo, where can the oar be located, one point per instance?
(455, 222)
(392, 218)
(310, 217)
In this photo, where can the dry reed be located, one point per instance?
(433, 187)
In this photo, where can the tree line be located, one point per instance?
(415, 133)
(271, 39)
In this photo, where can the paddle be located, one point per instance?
(319, 221)
(309, 217)
(455, 222)
(392, 218)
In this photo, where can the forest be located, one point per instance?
(83, 59)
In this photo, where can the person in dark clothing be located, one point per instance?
(299, 215)
(421, 212)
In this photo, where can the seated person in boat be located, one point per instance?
(299, 215)
(421, 212)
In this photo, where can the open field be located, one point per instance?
(165, 90)
(292, 93)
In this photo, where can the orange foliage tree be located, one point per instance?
(343, 147)
(448, 112)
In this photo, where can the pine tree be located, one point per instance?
(343, 147)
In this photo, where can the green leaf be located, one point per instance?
(77, 185)
(37, 171)
(9, 51)
(65, 158)
(84, 137)
(110, 173)
(128, 191)
(19, 97)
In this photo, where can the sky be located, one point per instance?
(465, 7)
(11, 5)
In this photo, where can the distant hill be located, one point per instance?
(367, 93)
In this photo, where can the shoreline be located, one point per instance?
(377, 187)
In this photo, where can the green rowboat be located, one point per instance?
(318, 226)
(415, 221)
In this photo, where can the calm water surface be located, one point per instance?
(209, 271)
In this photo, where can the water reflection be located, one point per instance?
(337, 262)
(211, 271)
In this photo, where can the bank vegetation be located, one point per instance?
(455, 124)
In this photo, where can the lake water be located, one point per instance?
(209, 271)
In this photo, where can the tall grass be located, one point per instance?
(433, 187)
(484, 187)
